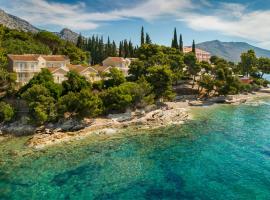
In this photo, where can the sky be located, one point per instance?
(201, 20)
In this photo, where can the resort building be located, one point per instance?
(118, 62)
(59, 74)
(200, 54)
(88, 72)
(27, 65)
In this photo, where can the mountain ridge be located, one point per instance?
(231, 50)
(13, 22)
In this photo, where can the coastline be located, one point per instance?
(172, 113)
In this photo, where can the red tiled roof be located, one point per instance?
(34, 57)
(56, 69)
(77, 68)
(100, 68)
(55, 57)
(115, 59)
(25, 57)
(52, 69)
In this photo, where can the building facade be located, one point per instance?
(118, 62)
(27, 65)
(200, 54)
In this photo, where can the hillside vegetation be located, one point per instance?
(18, 42)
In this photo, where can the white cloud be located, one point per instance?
(226, 18)
(75, 16)
(234, 20)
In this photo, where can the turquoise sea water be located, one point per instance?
(224, 153)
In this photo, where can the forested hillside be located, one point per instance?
(18, 42)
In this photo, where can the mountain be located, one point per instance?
(68, 35)
(231, 50)
(17, 23)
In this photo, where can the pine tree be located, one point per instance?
(126, 49)
(114, 49)
(80, 41)
(181, 48)
(193, 47)
(148, 39)
(130, 49)
(108, 47)
(142, 36)
(175, 40)
(120, 49)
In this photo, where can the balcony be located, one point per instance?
(26, 70)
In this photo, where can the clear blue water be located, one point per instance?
(224, 153)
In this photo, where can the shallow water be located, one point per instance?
(223, 153)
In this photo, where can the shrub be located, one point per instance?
(41, 104)
(6, 112)
(82, 104)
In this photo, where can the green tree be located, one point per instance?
(264, 66)
(44, 78)
(7, 82)
(208, 83)
(51, 40)
(193, 47)
(142, 36)
(41, 104)
(206, 66)
(148, 39)
(75, 83)
(83, 104)
(160, 77)
(115, 78)
(181, 46)
(248, 62)
(192, 67)
(6, 112)
(175, 40)
(137, 69)
(118, 99)
(80, 41)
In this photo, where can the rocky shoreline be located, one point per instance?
(171, 113)
(112, 125)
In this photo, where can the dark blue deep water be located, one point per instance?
(223, 153)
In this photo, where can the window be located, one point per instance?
(21, 66)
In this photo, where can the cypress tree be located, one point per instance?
(193, 47)
(120, 49)
(114, 49)
(130, 49)
(148, 39)
(126, 49)
(175, 40)
(142, 36)
(181, 48)
(80, 41)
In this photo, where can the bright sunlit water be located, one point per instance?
(223, 153)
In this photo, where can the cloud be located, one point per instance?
(76, 16)
(234, 20)
(231, 19)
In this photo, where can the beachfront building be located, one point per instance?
(27, 65)
(59, 74)
(90, 73)
(200, 54)
(118, 62)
